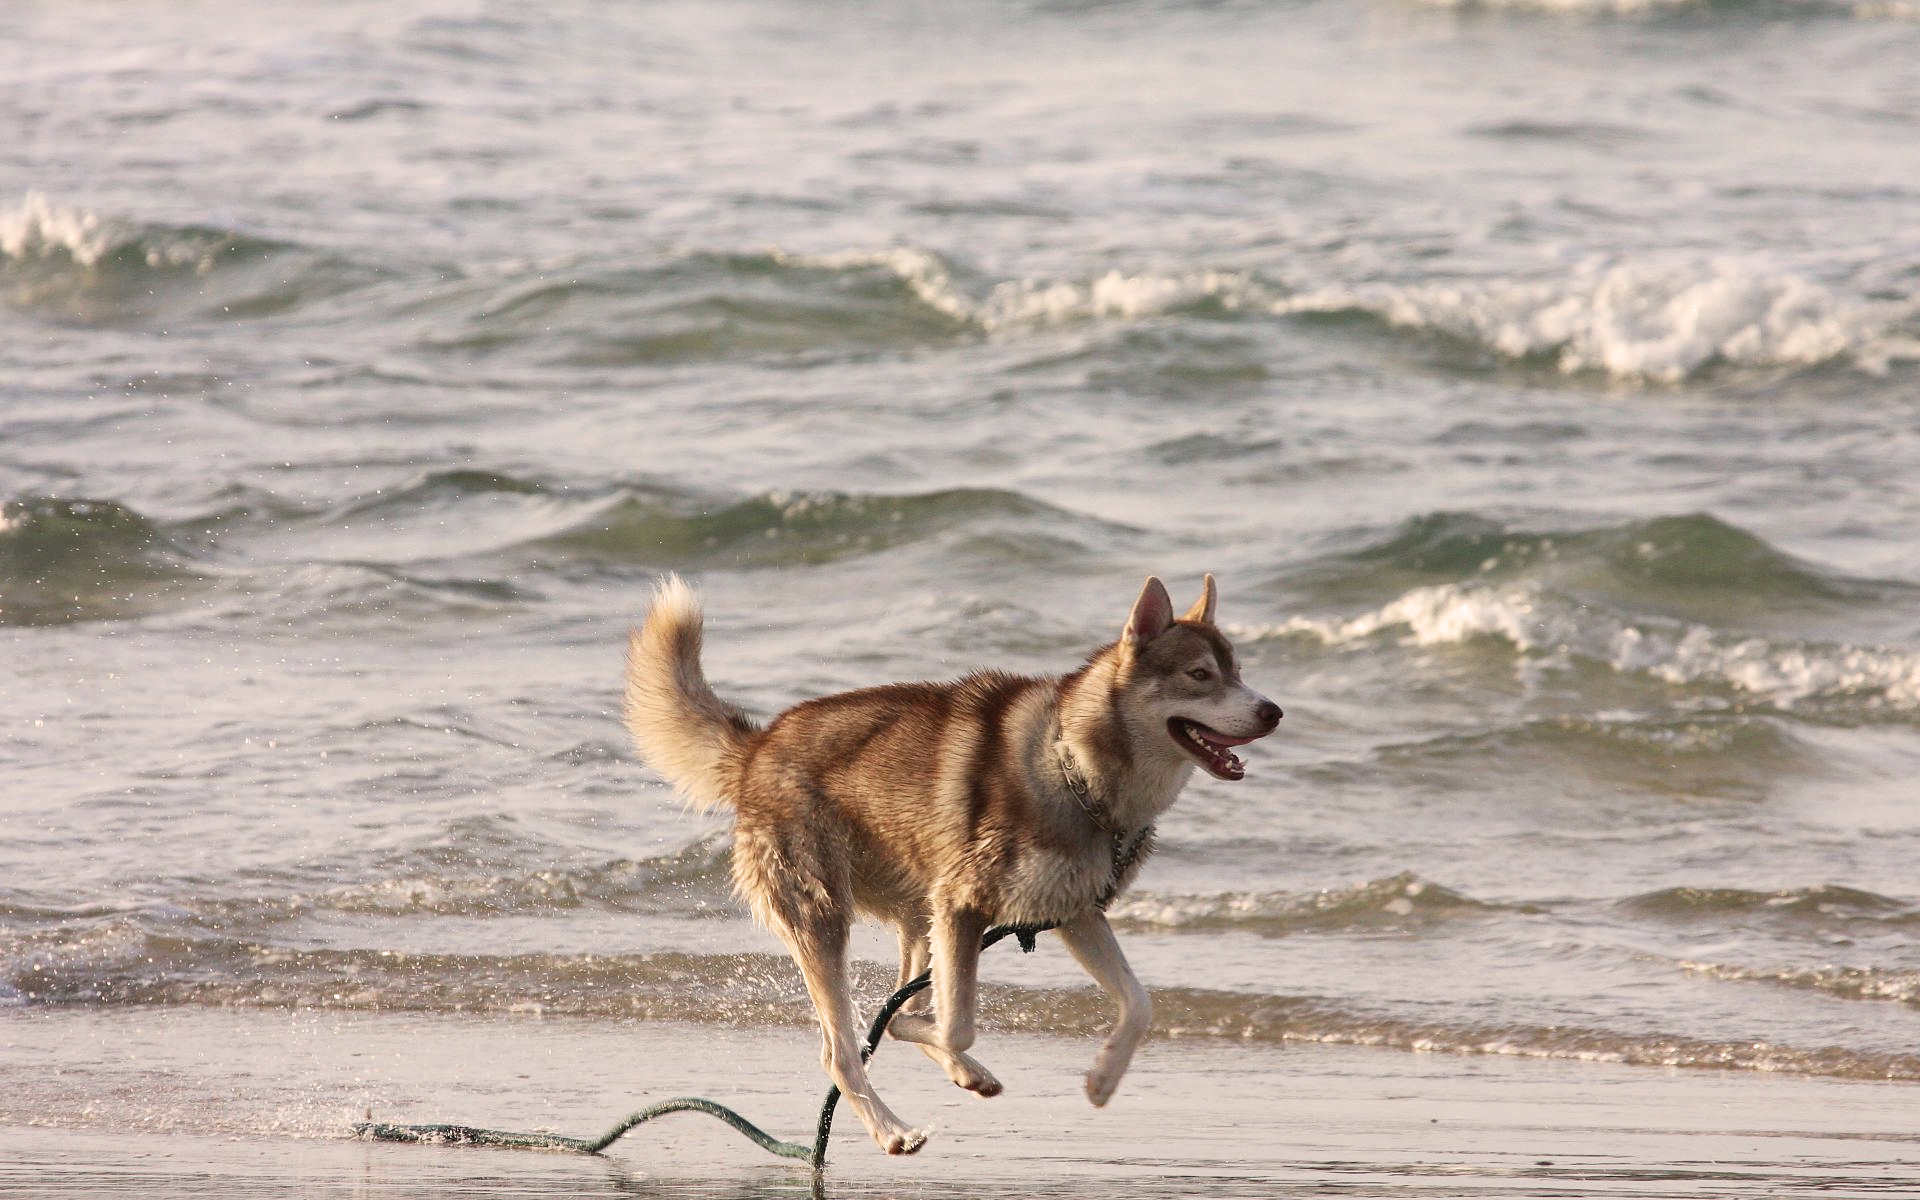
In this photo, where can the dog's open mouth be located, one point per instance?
(1210, 748)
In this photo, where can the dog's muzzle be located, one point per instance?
(1212, 747)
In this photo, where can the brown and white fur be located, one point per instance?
(945, 808)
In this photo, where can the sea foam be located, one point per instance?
(1638, 321)
(1538, 622)
(40, 230)
(1029, 302)
(1635, 321)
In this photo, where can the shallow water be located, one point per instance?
(1313, 1121)
(1539, 378)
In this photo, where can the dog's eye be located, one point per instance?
(1200, 674)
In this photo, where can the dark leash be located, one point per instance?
(816, 1155)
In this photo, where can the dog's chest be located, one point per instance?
(1054, 883)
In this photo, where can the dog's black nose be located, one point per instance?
(1269, 712)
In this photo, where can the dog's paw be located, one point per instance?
(973, 1077)
(1102, 1082)
(982, 1085)
(905, 1141)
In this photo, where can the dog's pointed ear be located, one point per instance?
(1152, 614)
(1202, 609)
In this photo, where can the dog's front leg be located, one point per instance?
(913, 1023)
(1090, 939)
(956, 970)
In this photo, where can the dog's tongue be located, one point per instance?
(1218, 739)
(1211, 748)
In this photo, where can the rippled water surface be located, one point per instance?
(1542, 381)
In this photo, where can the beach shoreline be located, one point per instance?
(190, 1102)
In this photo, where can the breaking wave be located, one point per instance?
(1643, 322)
(707, 305)
(79, 265)
(1013, 304)
(1537, 622)
(1656, 599)
(42, 231)
(1636, 322)
(1658, 322)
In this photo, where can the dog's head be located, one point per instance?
(1180, 674)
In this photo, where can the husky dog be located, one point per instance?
(944, 808)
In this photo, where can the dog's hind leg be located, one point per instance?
(1090, 939)
(914, 1024)
(798, 886)
(821, 951)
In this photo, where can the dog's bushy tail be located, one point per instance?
(682, 730)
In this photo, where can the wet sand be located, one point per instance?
(226, 1103)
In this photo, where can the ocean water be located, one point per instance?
(1541, 378)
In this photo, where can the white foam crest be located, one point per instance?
(1445, 614)
(923, 271)
(1788, 675)
(1034, 302)
(1659, 322)
(1116, 295)
(40, 228)
(1536, 622)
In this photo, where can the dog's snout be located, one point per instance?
(1269, 713)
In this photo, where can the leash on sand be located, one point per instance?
(816, 1154)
